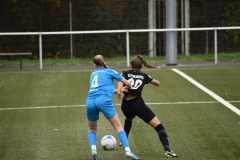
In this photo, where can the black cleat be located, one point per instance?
(121, 145)
(94, 157)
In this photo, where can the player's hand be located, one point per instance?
(120, 95)
(125, 89)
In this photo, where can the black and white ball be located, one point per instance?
(108, 142)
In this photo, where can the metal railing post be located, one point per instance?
(70, 27)
(40, 52)
(127, 48)
(215, 47)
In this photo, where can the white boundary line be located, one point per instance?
(209, 92)
(82, 105)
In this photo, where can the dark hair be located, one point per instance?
(138, 61)
(98, 60)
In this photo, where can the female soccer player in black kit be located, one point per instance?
(134, 105)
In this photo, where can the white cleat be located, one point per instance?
(132, 156)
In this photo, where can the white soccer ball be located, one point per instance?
(108, 142)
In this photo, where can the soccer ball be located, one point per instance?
(108, 142)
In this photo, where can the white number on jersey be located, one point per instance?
(135, 84)
(95, 81)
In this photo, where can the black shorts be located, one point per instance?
(137, 107)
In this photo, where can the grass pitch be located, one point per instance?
(201, 130)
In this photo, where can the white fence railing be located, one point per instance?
(127, 32)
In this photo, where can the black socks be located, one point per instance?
(127, 126)
(163, 136)
(159, 129)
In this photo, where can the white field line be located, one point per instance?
(209, 92)
(82, 105)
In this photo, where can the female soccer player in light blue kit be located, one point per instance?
(99, 99)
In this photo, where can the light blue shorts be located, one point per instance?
(102, 104)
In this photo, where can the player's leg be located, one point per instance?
(147, 115)
(110, 113)
(127, 125)
(92, 115)
(122, 136)
(115, 122)
(127, 109)
(159, 128)
(92, 137)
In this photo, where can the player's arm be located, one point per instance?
(120, 87)
(151, 80)
(127, 83)
(118, 90)
(155, 82)
(123, 81)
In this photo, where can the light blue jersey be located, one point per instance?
(100, 93)
(101, 82)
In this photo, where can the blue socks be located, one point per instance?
(123, 138)
(92, 138)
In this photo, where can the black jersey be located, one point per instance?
(137, 80)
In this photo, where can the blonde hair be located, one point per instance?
(98, 60)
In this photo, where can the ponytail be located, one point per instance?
(103, 62)
(99, 61)
(138, 61)
(144, 62)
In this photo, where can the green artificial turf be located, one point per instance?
(196, 131)
(225, 82)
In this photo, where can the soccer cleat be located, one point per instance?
(94, 157)
(132, 156)
(121, 145)
(170, 154)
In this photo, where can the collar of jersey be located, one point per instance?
(100, 68)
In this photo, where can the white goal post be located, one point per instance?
(127, 32)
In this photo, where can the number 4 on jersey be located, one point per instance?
(95, 81)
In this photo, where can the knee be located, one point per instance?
(154, 122)
(92, 128)
(128, 120)
(116, 123)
